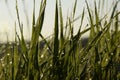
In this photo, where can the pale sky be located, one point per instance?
(8, 15)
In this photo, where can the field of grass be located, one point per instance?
(63, 57)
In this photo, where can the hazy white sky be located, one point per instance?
(8, 15)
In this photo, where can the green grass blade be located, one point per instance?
(22, 40)
(33, 21)
(92, 31)
(114, 10)
(83, 13)
(97, 17)
(15, 57)
(74, 9)
(56, 46)
(34, 43)
(61, 25)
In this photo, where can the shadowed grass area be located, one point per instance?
(65, 56)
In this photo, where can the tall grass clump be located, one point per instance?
(63, 57)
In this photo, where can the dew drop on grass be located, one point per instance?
(118, 46)
(41, 75)
(8, 54)
(111, 54)
(47, 48)
(50, 64)
(42, 56)
(83, 58)
(10, 62)
(106, 60)
(90, 78)
(62, 53)
(98, 62)
(2, 58)
(3, 64)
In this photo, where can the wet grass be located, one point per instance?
(63, 56)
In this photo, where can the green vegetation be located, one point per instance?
(63, 57)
